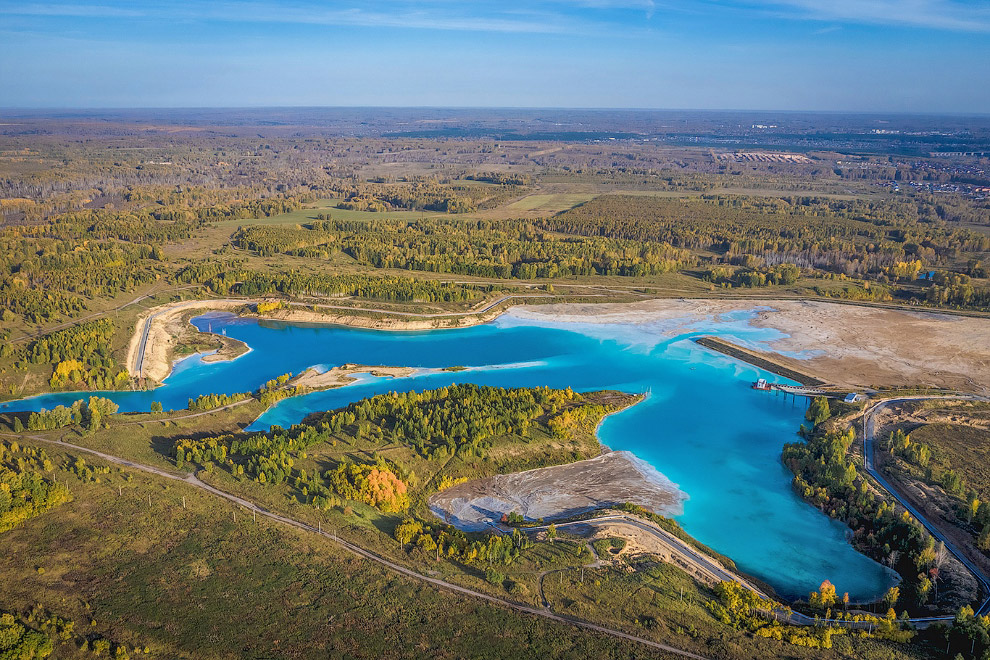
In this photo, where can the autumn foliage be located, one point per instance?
(376, 485)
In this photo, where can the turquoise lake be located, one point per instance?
(702, 425)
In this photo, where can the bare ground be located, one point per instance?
(852, 345)
(344, 375)
(169, 327)
(559, 491)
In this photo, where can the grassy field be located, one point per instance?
(549, 203)
(149, 562)
(329, 206)
(190, 581)
(961, 448)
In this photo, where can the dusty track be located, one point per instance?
(192, 480)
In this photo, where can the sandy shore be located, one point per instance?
(344, 375)
(169, 324)
(848, 345)
(168, 327)
(559, 491)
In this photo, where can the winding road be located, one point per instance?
(869, 451)
(693, 559)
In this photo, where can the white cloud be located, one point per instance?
(436, 15)
(96, 11)
(938, 14)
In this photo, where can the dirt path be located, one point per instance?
(192, 480)
(707, 569)
(82, 319)
(192, 415)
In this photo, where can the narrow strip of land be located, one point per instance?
(762, 361)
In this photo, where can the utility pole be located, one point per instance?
(183, 501)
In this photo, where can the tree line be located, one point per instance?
(971, 507)
(483, 248)
(854, 237)
(826, 476)
(90, 414)
(227, 277)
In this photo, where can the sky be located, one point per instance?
(830, 55)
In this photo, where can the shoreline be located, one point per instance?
(158, 330)
(850, 346)
(559, 491)
(854, 347)
(766, 363)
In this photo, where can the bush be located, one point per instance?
(494, 576)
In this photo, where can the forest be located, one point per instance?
(429, 195)
(506, 249)
(80, 356)
(460, 419)
(852, 237)
(224, 280)
(825, 475)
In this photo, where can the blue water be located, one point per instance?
(701, 425)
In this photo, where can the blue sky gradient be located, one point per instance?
(847, 55)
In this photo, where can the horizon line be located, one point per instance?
(94, 108)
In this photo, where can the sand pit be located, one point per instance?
(559, 492)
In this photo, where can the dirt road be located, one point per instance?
(869, 440)
(192, 480)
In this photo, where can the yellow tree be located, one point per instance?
(890, 598)
(827, 594)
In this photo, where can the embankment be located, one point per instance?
(764, 362)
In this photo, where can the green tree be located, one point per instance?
(818, 411)
(494, 576)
